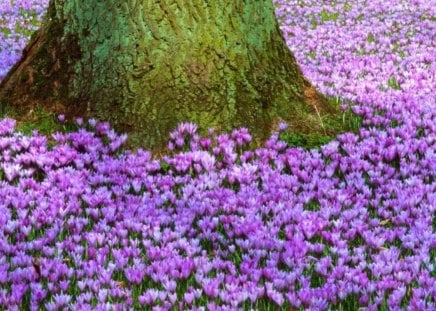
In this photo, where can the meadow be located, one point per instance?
(216, 224)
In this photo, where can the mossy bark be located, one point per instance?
(146, 65)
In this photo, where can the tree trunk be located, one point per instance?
(146, 65)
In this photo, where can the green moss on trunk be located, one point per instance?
(148, 65)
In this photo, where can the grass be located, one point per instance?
(330, 126)
(327, 16)
(39, 120)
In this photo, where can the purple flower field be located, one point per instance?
(18, 20)
(218, 225)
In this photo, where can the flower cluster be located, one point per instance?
(379, 53)
(218, 225)
(215, 223)
(18, 19)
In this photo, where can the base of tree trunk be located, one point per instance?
(145, 75)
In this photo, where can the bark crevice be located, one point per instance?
(147, 66)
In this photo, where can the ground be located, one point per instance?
(346, 225)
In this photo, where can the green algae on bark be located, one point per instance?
(147, 65)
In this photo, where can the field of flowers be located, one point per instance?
(218, 225)
(18, 20)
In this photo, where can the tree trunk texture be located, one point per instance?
(146, 65)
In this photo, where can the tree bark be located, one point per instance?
(146, 65)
